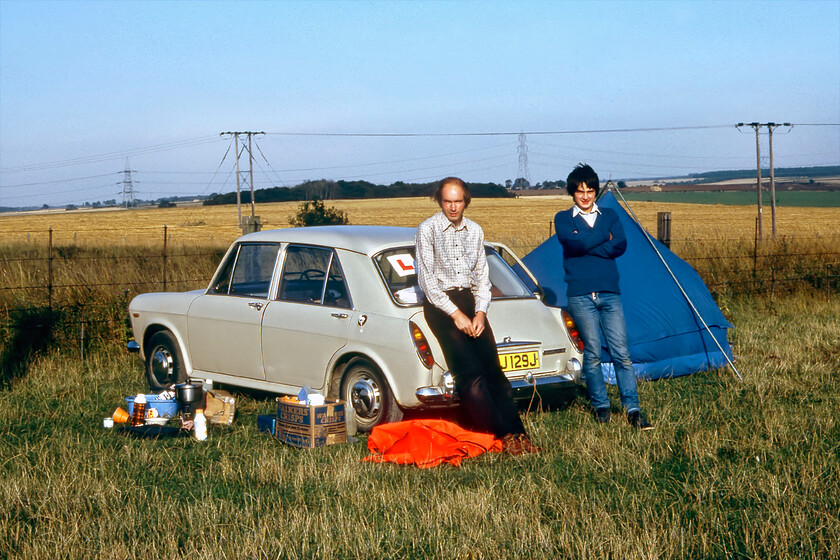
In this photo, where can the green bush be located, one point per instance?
(314, 213)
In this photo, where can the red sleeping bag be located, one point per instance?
(427, 443)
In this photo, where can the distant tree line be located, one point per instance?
(333, 190)
(715, 176)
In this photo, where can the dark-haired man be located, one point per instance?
(592, 239)
(452, 272)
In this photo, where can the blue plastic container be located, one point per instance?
(267, 423)
(166, 408)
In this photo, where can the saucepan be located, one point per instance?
(187, 394)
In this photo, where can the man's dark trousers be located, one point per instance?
(484, 391)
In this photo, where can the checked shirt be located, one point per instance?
(449, 258)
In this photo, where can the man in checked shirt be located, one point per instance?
(452, 272)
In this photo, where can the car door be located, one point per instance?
(309, 320)
(224, 324)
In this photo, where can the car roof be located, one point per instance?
(361, 239)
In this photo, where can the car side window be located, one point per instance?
(313, 275)
(222, 283)
(336, 293)
(248, 271)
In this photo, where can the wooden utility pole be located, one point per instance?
(250, 173)
(238, 195)
(760, 215)
(770, 127)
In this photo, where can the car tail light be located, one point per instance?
(574, 334)
(422, 345)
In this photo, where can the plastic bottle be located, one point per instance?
(200, 425)
(138, 413)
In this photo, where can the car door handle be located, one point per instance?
(340, 315)
(256, 305)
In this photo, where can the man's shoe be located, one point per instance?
(638, 420)
(528, 445)
(602, 415)
(518, 444)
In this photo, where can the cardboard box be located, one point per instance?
(220, 407)
(310, 426)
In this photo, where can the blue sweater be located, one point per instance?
(589, 253)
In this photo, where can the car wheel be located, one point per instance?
(365, 389)
(164, 363)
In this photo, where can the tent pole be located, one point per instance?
(668, 268)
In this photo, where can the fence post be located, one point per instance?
(663, 228)
(164, 257)
(50, 270)
(82, 337)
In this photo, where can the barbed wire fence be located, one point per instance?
(88, 289)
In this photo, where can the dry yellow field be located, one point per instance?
(522, 223)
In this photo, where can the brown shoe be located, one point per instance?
(518, 444)
(528, 446)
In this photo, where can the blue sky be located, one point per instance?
(84, 85)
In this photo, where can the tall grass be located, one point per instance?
(99, 276)
(733, 470)
(84, 291)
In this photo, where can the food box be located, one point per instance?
(303, 425)
(165, 407)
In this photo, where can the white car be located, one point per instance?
(336, 309)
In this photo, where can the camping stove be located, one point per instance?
(187, 395)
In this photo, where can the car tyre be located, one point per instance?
(164, 362)
(364, 388)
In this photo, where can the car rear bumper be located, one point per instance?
(436, 395)
(523, 387)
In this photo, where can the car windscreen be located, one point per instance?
(396, 266)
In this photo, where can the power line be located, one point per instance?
(59, 181)
(111, 155)
(534, 132)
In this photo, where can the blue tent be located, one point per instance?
(666, 337)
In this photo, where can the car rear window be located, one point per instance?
(396, 266)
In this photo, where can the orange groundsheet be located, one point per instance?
(427, 443)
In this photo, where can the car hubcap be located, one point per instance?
(366, 398)
(162, 364)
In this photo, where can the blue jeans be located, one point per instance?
(593, 313)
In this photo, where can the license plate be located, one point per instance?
(519, 360)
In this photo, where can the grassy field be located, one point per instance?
(523, 223)
(103, 258)
(733, 470)
(803, 199)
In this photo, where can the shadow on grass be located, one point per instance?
(558, 399)
(31, 331)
